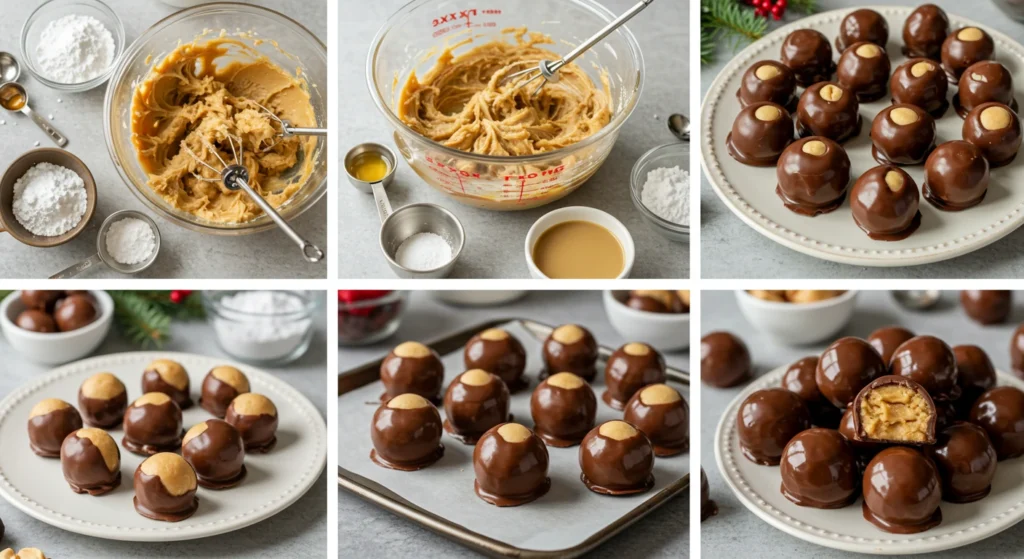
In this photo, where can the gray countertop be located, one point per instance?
(369, 531)
(183, 253)
(737, 251)
(735, 532)
(494, 247)
(298, 531)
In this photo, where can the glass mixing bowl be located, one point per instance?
(284, 41)
(413, 39)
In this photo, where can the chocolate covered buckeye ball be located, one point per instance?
(35, 320)
(902, 135)
(1000, 412)
(925, 31)
(75, 311)
(902, 491)
(511, 466)
(41, 300)
(964, 48)
(759, 134)
(894, 410)
(799, 379)
(808, 53)
(660, 301)
(920, 82)
(845, 367)
(91, 461)
(987, 307)
(724, 360)
(49, 423)
(862, 25)
(928, 361)
(708, 508)
(571, 349)
(406, 433)
(767, 420)
(220, 386)
(864, 70)
(630, 368)
(215, 450)
(412, 368)
(102, 400)
(563, 408)
(885, 340)
(168, 377)
(884, 202)
(966, 461)
(768, 81)
(474, 402)
(617, 459)
(819, 470)
(165, 488)
(996, 130)
(830, 110)
(496, 351)
(255, 417)
(984, 82)
(1017, 351)
(663, 415)
(813, 175)
(956, 176)
(975, 375)
(152, 424)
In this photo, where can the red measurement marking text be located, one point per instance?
(530, 176)
(460, 172)
(455, 16)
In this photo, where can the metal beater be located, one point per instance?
(547, 70)
(287, 130)
(235, 176)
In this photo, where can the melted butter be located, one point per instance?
(11, 99)
(579, 250)
(369, 167)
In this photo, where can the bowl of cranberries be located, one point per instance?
(56, 327)
(368, 316)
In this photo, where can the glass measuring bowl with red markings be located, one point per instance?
(414, 37)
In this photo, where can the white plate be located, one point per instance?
(750, 191)
(757, 487)
(274, 481)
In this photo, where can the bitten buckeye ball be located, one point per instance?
(222, 385)
(255, 417)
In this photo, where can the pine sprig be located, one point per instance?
(735, 24)
(141, 321)
(803, 6)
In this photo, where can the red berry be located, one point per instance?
(353, 295)
(178, 297)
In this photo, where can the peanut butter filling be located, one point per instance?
(895, 413)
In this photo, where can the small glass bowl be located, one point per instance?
(372, 320)
(55, 9)
(239, 332)
(668, 155)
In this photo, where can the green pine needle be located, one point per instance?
(735, 24)
(144, 317)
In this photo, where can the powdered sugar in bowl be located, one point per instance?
(264, 328)
(665, 171)
(72, 45)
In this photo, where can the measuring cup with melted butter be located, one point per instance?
(14, 98)
(579, 243)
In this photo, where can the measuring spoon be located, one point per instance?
(680, 126)
(398, 225)
(102, 256)
(14, 98)
(10, 69)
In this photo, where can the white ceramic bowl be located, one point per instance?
(797, 324)
(666, 332)
(60, 347)
(580, 213)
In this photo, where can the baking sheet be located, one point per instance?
(565, 517)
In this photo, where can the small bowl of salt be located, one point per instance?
(263, 328)
(660, 188)
(72, 45)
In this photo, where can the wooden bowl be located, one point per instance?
(9, 224)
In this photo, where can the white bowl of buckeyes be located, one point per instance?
(56, 327)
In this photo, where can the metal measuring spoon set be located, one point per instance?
(14, 98)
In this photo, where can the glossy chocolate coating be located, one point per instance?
(35, 320)
(105, 414)
(217, 455)
(987, 307)
(578, 358)
(766, 422)
(666, 424)
(617, 467)
(258, 431)
(656, 301)
(758, 142)
(984, 82)
(41, 300)
(1000, 412)
(928, 90)
(775, 85)
(819, 470)
(708, 508)
(975, 374)
(902, 144)
(501, 355)
(812, 184)
(808, 53)
(152, 428)
(885, 340)
(799, 379)
(880, 211)
(902, 491)
(959, 54)
(724, 360)
(924, 32)
(956, 176)
(74, 312)
(998, 145)
(423, 375)
(472, 409)
(966, 461)
(864, 70)
(153, 501)
(406, 439)
(1017, 351)
(882, 382)
(84, 468)
(929, 362)
(837, 120)
(562, 416)
(217, 395)
(47, 432)
(862, 25)
(865, 451)
(153, 382)
(630, 368)
(846, 367)
(510, 474)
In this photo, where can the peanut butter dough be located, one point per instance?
(190, 101)
(461, 103)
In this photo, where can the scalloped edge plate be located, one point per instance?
(750, 191)
(274, 482)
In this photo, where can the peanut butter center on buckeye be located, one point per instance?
(869, 50)
(767, 113)
(171, 371)
(814, 147)
(970, 34)
(494, 335)
(103, 386)
(921, 68)
(895, 413)
(195, 431)
(904, 116)
(408, 402)
(152, 398)
(831, 93)
(514, 432)
(253, 404)
(766, 72)
(617, 430)
(567, 381)
(176, 475)
(658, 394)
(636, 349)
(894, 181)
(106, 445)
(567, 334)
(995, 118)
(232, 377)
(412, 350)
(475, 377)
(46, 406)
